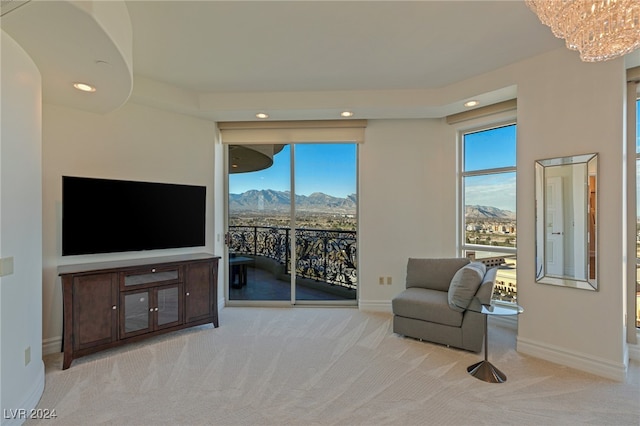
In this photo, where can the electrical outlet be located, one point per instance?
(389, 280)
(6, 266)
(27, 356)
(381, 280)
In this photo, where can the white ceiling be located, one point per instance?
(215, 46)
(249, 50)
(305, 59)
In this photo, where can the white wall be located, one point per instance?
(20, 233)
(407, 202)
(135, 143)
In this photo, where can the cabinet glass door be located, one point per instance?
(136, 311)
(153, 275)
(168, 307)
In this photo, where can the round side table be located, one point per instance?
(484, 370)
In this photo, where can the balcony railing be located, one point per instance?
(322, 255)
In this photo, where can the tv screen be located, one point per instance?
(108, 216)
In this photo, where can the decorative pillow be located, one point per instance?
(464, 285)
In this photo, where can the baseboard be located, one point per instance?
(17, 416)
(375, 305)
(634, 352)
(52, 345)
(583, 362)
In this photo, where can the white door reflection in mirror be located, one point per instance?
(554, 215)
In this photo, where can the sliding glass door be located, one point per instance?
(259, 221)
(299, 249)
(325, 222)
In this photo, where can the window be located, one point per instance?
(488, 205)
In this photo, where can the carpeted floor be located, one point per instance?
(323, 366)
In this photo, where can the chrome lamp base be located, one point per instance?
(485, 371)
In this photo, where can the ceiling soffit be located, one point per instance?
(88, 42)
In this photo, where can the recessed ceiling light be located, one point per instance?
(346, 114)
(262, 115)
(472, 103)
(84, 87)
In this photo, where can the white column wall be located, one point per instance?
(20, 233)
(219, 189)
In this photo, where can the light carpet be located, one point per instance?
(324, 366)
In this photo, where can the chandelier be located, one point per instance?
(598, 29)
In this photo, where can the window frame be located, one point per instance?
(463, 246)
(636, 309)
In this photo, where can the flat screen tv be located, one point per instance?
(108, 216)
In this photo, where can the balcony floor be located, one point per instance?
(264, 285)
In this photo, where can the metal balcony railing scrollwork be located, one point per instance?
(322, 255)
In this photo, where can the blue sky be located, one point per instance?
(490, 149)
(494, 148)
(327, 168)
(492, 190)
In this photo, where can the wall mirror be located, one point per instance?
(566, 221)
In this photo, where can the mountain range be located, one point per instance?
(487, 212)
(271, 200)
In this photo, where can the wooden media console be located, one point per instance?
(108, 304)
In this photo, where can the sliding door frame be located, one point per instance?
(293, 229)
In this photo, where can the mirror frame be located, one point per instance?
(589, 279)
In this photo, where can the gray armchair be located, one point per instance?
(434, 305)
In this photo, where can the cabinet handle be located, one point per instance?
(187, 293)
(114, 307)
(153, 270)
(150, 309)
(156, 309)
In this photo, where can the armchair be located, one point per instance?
(433, 306)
